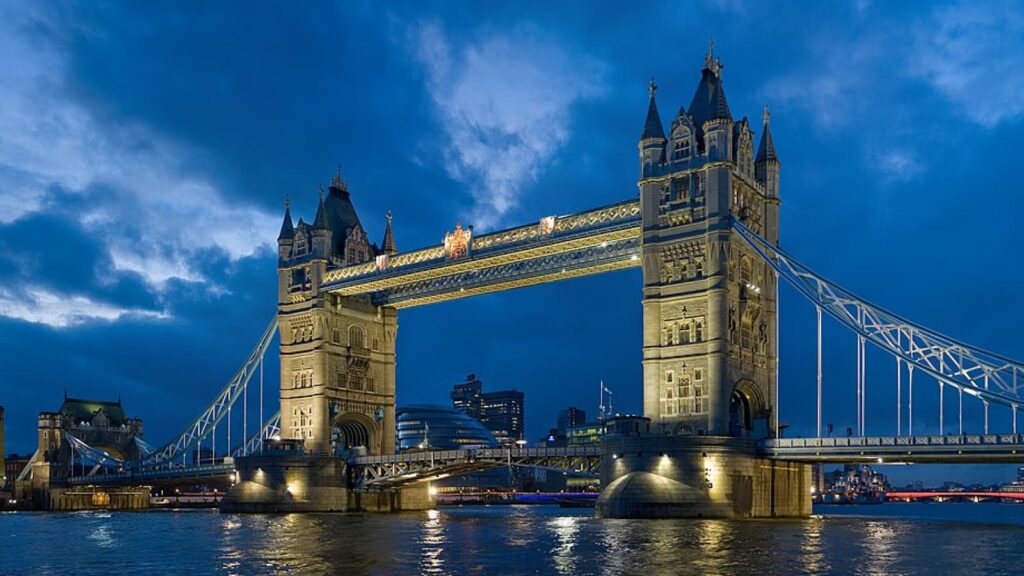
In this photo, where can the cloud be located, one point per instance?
(504, 103)
(129, 185)
(41, 306)
(898, 165)
(970, 53)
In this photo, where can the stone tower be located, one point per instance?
(709, 303)
(337, 352)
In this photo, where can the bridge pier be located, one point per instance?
(312, 483)
(660, 476)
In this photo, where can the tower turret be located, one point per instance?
(321, 231)
(285, 238)
(652, 140)
(388, 245)
(710, 112)
(766, 170)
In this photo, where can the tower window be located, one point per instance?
(355, 337)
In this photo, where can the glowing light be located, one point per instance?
(292, 488)
(634, 257)
(880, 461)
(432, 491)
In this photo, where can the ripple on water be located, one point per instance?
(515, 540)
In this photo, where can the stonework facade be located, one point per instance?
(337, 352)
(709, 307)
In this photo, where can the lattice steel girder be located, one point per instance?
(423, 271)
(977, 448)
(252, 445)
(985, 375)
(399, 469)
(215, 412)
(594, 259)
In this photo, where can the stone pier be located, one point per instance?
(698, 477)
(308, 483)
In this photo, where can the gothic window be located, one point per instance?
(342, 380)
(700, 399)
(355, 382)
(698, 331)
(699, 269)
(336, 336)
(355, 337)
(681, 149)
(684, 333)
(371, 386)
(669, 377)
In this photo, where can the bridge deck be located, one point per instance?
(967, 448)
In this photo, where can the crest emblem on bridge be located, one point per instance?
(456, 243)
(546, 225)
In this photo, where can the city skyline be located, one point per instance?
(173, 271)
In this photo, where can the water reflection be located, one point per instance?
(563, 554)
(506, 540)
(432, 544)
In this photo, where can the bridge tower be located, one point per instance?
(709, 303)
(337, 352)
(709, 325)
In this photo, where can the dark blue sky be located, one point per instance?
(145, 152)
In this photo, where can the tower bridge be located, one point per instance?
(704, 229)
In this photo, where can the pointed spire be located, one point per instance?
(320, 221)
(388, 246)
(766, 148)
(652, 125)
(337, 181)
(709, 101)
(287, 230)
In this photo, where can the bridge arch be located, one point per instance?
(352, 430)
(746, 404)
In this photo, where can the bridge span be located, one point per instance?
(951, 449)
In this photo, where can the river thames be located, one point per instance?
(881, 539)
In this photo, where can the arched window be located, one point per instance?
(699, 331)
(336, 336)
(355, 337)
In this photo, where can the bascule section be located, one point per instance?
(337, 350)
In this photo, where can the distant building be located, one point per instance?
(13, 465)
(571, 417)
(467, 397)
(585, 434)
(501, 412)
(424, 426)
(503, 415)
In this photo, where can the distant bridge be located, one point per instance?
(944, 496)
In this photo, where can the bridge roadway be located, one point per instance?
(386, 471)
(410, 467)
(952, 449)
(405, 468)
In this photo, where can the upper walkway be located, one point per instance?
(555, 248)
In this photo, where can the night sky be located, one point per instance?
(146, 152)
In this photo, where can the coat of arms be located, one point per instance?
(546, 225)
(456, 244)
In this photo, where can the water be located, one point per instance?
(886, 539)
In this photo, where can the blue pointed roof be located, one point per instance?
(287, 230)
(652, 125)
(766, 148)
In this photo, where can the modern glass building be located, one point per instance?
(425, 426)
